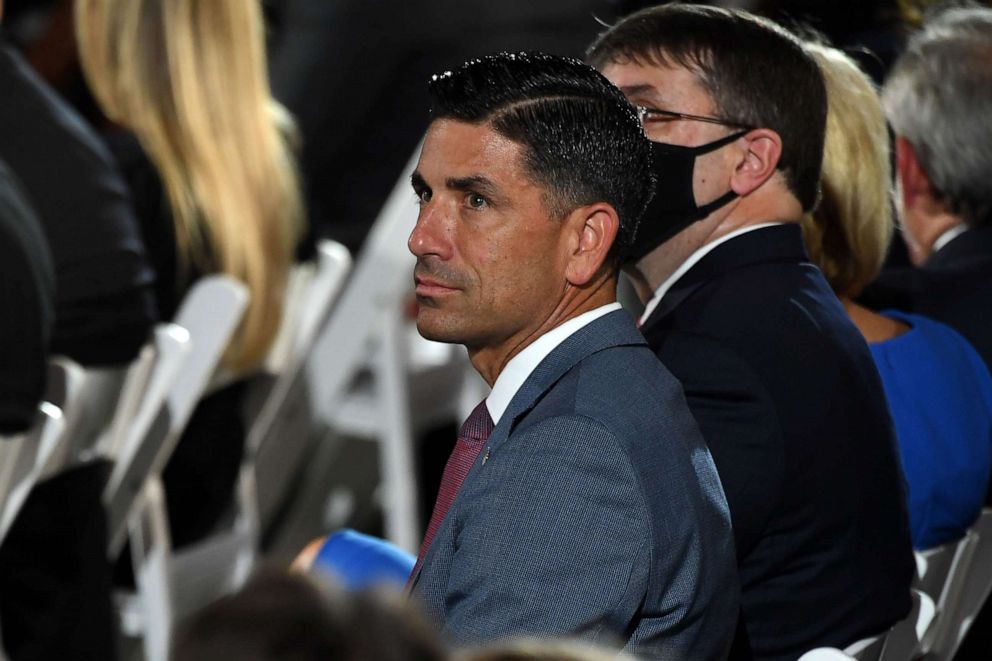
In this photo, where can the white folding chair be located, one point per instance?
(974, 588)
(933, 566)
(413, 382)
(210, 312)
(278, 411)
(825, 654)
(24, 459)
(150, 612)
(868, 649)
(66, 390)
(940, 639)
(44, 450)
(139, 429)
(902, 642)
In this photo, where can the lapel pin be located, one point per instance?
(485, 457)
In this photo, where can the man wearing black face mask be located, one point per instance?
(781, 383)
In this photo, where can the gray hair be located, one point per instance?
(939, 98)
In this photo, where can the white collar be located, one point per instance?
(683, 268)
(520, 366)
(948, 236)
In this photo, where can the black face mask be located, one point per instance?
(673, 207)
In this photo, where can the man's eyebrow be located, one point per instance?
(643, 91)
(417, 181)
(476, 182)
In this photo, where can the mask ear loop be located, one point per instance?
(708, 208)
(720, 142)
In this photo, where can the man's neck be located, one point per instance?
(490, 361)
(659, 265)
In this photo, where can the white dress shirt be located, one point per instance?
(701, 252)
(520, 366)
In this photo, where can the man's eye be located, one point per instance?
(424, 196)
(476, 201)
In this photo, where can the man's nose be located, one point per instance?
(430, 234)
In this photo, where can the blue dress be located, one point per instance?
(940, 396)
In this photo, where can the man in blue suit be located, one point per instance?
(580, 498)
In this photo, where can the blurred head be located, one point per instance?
(849, 232)
(279, 616)
(531, 182)
(543, 650)
(189, 79)
(938, 100)
(727, 65)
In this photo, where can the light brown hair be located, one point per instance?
(189, 78)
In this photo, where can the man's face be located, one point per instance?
(678, 89)
(490, 260)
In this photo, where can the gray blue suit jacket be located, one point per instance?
(595, 511)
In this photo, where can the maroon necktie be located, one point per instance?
(471, 437)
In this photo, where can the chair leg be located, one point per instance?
(396, 451)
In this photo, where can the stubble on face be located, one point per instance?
(488, 264)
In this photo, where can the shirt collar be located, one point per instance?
(948, 236)
(520, 366)
(683, 268)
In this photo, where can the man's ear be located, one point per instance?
(756, 165)
(914, 184)
(593, 229)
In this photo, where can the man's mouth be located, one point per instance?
(431, 287)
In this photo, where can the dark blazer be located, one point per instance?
(27, 296)
(790, 403)
(598, 513)
(954, 286)
(104, 308)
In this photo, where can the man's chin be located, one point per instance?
(436, 330)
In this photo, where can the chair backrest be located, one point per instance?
(381, 278)
(66, 390)
(24, 458)
(868, 649)
(211, 312)
(933, 567)
(209, 315)
(974, 590)
(902, 642)
(825, 654)
(280, 416)
(940, 638)
(134, 445)
(134, 384)
(333, 265)
(312, 289)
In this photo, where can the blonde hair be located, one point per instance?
(848, 234)
(189, 78)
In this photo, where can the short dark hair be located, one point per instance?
(756, 72)
(290, 617)
(582, 141)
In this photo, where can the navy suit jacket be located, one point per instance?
(792, 408)
(598, 513)
(954, 286)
